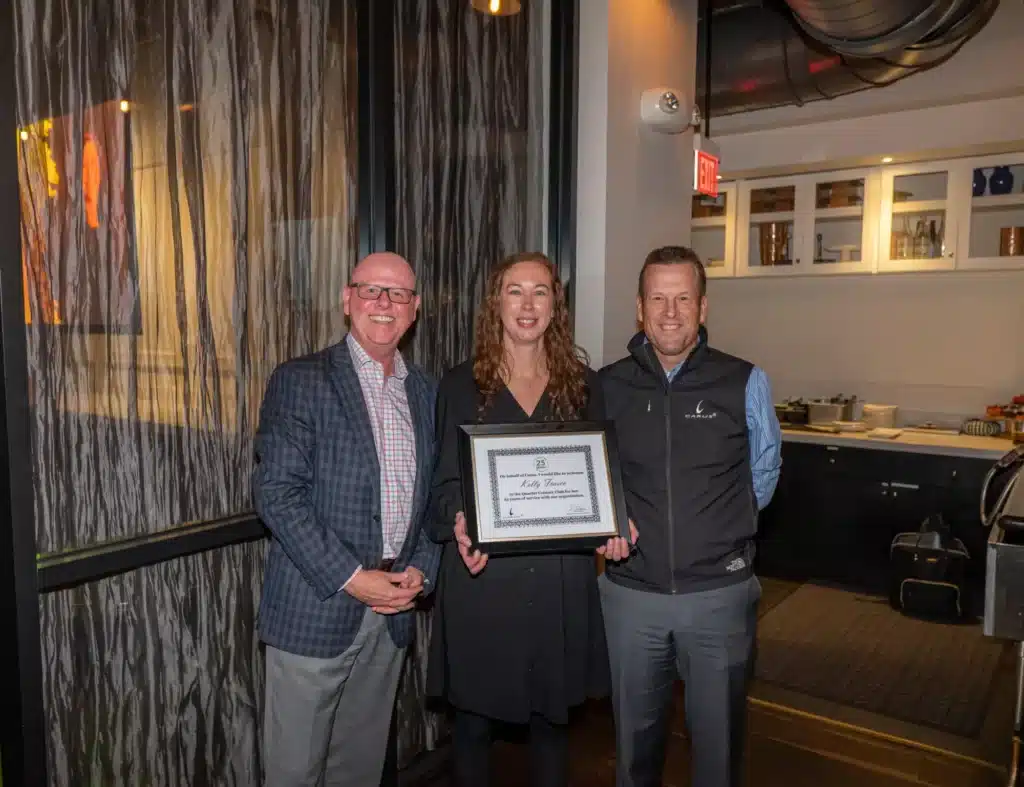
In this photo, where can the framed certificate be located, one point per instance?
(541, 487)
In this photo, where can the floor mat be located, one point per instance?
(857, 651)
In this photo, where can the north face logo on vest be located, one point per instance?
(701, 412)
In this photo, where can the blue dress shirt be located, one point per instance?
(765, 434)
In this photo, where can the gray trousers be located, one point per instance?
(705, 638)
(327, 720)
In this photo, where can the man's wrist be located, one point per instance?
(347, 581)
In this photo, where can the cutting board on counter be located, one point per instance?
(930, 430)
(885, 433)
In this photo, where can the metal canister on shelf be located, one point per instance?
(1011, 242)
(1015, 428)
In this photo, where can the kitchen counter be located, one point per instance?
(916, 442)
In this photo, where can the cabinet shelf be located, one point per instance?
(706, 222)
(920, 206)
(770, 218)
(998, 201)
(839, 214)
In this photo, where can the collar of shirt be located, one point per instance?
(361, 358)
(671, 373)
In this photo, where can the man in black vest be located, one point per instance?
(699, 447)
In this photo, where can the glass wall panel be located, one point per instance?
(187, 180)
(188, 205)
(152, 677)
(471, 169)
(471, 164)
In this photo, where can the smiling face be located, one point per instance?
(379, 323)
(671, 310)
(527, 302)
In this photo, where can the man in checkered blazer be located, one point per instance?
(344, 455)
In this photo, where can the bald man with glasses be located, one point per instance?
(344, 456)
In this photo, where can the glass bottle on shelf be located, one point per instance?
(922, 243)
(901, 240)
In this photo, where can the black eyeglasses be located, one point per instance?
(371, 292)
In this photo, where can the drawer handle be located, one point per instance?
(901, 485)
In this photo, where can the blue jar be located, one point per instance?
(980, 181)
(1001, 181)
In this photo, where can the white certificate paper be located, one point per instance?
(542, 486)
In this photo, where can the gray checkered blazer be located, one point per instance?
(316, 485)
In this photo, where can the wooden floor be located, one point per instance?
(783, 749)
(796, 741)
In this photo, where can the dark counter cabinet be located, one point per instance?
(837, 509)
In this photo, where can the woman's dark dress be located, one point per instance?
(526, 634)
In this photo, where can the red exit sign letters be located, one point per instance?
(705, 173)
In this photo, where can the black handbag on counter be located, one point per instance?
(927, 573)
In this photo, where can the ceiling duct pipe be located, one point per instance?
(767, 55)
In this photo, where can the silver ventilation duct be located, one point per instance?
(768, 54)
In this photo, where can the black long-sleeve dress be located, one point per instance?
(526, 634)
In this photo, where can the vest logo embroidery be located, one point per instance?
(699, 414)
(737, 564)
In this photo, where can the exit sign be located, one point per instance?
(705, 166)
(706, 171)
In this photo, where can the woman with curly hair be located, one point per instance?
(520, 638)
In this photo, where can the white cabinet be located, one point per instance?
(842, 222)
(918, 218)
(991, 219)
(960, 214)
(768, 238)
(713, 231)
(816, 224)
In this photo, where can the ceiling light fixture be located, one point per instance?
(498, 7)
(887, 159)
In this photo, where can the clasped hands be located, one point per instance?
(616, 549)
(387, 592)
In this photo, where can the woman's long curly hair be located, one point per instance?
(566, 362)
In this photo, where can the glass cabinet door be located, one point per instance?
(713, 230)
(840, 238)
(918, 229)
(994, 220)
(767, 230)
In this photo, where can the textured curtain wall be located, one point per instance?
(188, 203)
(471, 169)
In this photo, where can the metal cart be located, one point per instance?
(1004, 578)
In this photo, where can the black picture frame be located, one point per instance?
(543, 544)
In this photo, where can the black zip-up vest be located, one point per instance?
(684, 450)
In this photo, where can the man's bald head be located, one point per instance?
(381, 304)
(385, 263)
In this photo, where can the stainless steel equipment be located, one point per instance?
(1004, 577)
(825, 411)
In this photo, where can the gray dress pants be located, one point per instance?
(707, 639)
(327, 721)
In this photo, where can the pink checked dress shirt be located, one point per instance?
(395, 440)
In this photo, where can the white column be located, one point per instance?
(634, 186)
